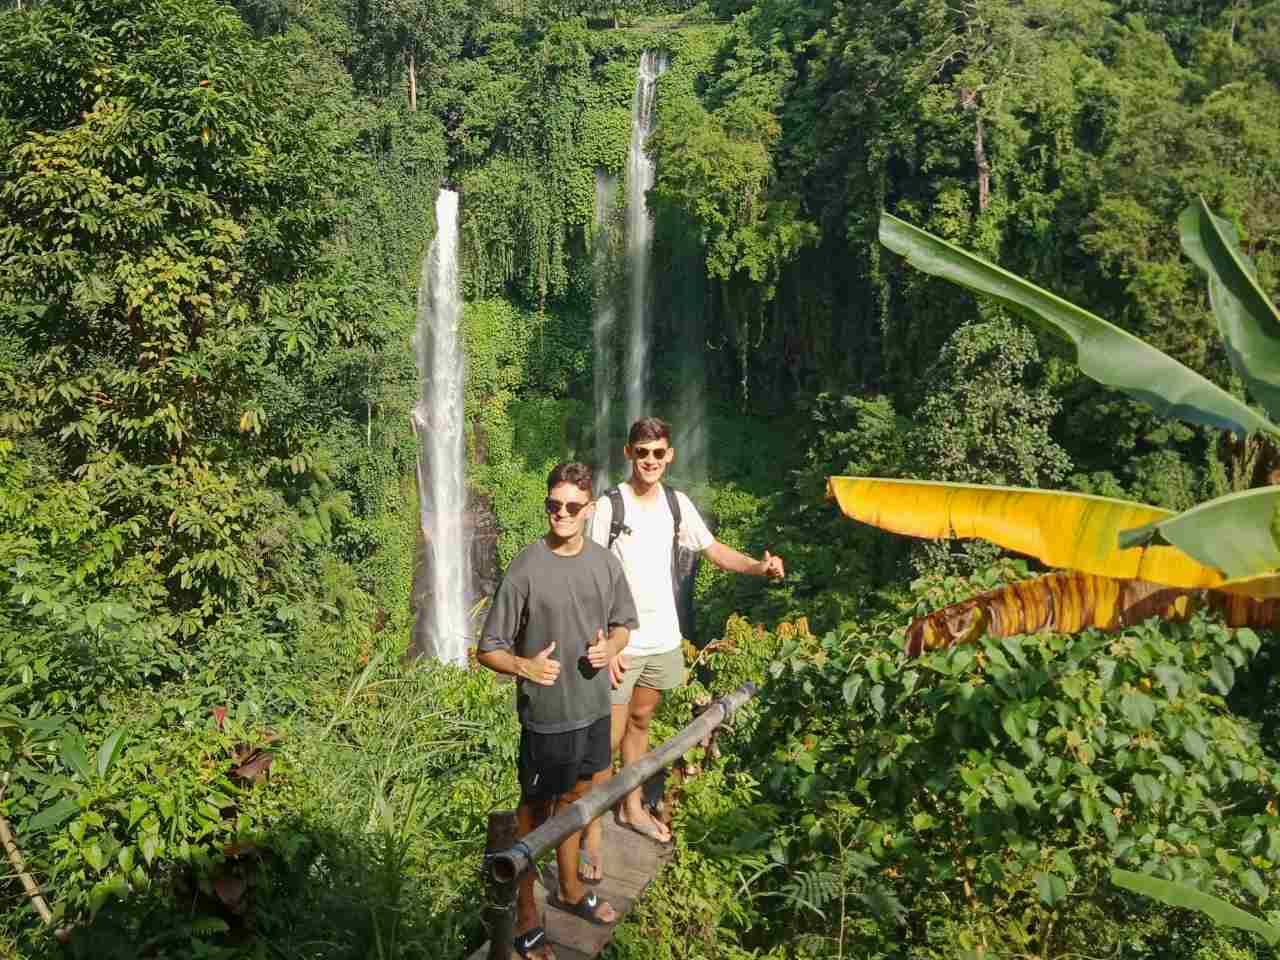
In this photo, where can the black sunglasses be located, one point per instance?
(644, 453)
(573, 509)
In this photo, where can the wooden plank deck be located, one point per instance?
(630, 864)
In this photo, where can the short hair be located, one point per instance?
(648, 428)
(578, 474)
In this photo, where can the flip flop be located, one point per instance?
(532, 939)
(585, 860)
(585, 908)
(647, 834)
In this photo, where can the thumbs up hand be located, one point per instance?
(771, 567)
(541, 669)
(598, 651)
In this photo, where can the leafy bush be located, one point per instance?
(979, 797)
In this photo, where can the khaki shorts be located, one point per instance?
(658, 671)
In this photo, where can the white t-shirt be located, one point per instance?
(645, 553)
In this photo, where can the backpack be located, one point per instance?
(684, 562)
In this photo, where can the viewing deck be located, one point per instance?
(630, 864)
(630, 861)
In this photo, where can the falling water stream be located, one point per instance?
(640, 174)
(603, 322)
(442, 628)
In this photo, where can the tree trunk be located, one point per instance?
(984, 168)
(413, 83)
(968, 100)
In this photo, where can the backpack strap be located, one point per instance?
(684, 569)
(673, 504)
(618, 512)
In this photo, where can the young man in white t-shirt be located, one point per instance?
(653, 660)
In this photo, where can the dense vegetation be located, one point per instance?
(211, 223)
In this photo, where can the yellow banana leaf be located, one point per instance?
(1071, 602)
(1234, 533)
(1071, 530)
(1265, 586)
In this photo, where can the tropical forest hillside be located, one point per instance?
(215, 738)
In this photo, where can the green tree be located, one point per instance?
(988, 413)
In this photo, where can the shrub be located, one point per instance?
(979, 797)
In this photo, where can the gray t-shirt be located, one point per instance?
(545, 598)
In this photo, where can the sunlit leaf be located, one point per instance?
(1230, 533)
(1222, 674)
(1052, 888)
(1071, 602)
(54, 816)
(1189, 898)
(110, 751)
(74, 755)
(1103, 351)
(1247, 319)
(1071, 530)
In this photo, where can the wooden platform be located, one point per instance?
(630, 863)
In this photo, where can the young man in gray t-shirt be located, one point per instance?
(562, 612)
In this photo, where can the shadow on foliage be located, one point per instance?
(302, 890)
(1256, 694)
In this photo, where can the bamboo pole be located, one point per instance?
(506, 866)
(20, 866)
(499, 916)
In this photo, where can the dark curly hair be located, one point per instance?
(648, 428)
(578, 474)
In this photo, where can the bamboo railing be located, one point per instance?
(506, 859)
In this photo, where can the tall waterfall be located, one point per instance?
(442, 628)
(603, 323)
(640, 233)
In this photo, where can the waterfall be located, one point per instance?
(639, 238)
(683, 299)
(603, 321)
(442, 627)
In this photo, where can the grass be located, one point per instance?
(390, 797)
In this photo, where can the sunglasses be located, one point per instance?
(573, 509)
(646, 453)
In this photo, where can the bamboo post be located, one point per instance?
(499, 910)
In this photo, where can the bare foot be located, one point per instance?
(589, 870)
(645, 825)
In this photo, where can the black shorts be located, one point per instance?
(552, 763)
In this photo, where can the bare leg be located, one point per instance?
(571, 888)
(592, 836)
(529, 815)
(618, 724)
(635, 744)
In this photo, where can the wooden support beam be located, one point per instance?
(499, 915)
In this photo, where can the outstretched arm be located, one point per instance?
(727, 558)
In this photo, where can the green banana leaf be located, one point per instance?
(1104, 351)
(1236, 534)
(1247, 320)
(1189, 898)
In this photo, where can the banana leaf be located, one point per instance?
(1187, 897)
(1247, 319)
(1103, 351)
(1236, 533)
(1071, 530)
(1071, 602)
(1265, 586)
